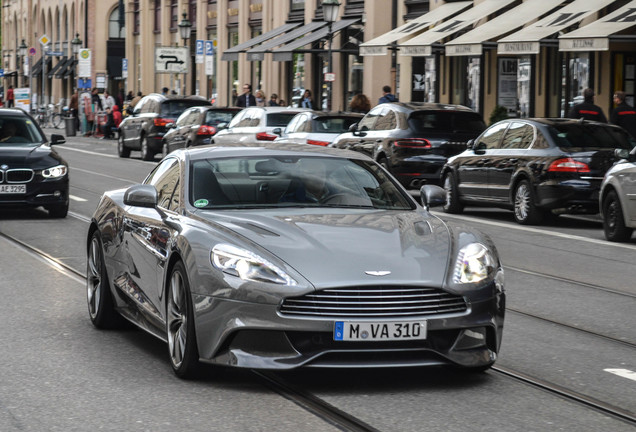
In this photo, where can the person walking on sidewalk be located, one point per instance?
(587, 110)
(624, 115)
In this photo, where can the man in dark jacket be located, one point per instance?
(387, 96)
(247, 99)
(624, 115)
(587, 110)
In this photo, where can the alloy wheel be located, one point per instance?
(94, 279)
(522, 202)
(177, 319)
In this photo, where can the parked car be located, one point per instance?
(617, 203)
(144, 129)
(32, 174)
(277, 256)
(537, 167)
(196, 126)
(317, 127)
(256, 124)
(413, 140)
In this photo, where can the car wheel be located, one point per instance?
(182, 344)
(100, 302)
(123, 151)
(146, 153)
(58, 211)
(525, 210)
(453, 205)
(613, 220)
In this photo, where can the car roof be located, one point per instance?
(13, 112)
(279, 109)
(336, 114)
(163, 98)
(556, 121)
(429, 106)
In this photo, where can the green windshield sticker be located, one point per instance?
(201, 203)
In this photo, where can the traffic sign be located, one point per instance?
(54, 53)
(330, 76)
(124, 68)
(171, 59)
(32, 51)
(44, 40)
(209, 47)
(199, 51)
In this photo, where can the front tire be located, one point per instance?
(58, 211)
(453, 205)
(122, 150)
(98, 295)
(614, 221)
(146, 153)
(525, 209)
(182, 343)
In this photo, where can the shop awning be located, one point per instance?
(60, 64)
(528, 39)
(258, 53)
(61, 72)
(285, 53)
(37, 67)
(596, 36)
(378, 46)
(233, 53)
(471, 43)
(70, 67)
(422, 45)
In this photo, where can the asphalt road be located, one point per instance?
(570, 323)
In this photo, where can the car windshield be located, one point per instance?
(446, 121)
(214, 117)
(20, 131)
(588, 135)
(334, 124)
(279, 119)
(293, 181)
(174, 108)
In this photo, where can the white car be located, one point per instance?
(618, 198)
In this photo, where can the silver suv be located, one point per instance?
(618, 198)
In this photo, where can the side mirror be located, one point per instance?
(432, 196)
(57, 139)
(141, 196)
(221, 126)
(353, 128)
(278, 131)
(470, 144)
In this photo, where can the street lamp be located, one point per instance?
(76, 45)
(22, 50)
(185, 28)
(330, 10)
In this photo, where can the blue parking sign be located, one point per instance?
(199, 47)
(209, 48)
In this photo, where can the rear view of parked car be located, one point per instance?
(618, 198)
(144, 129)
(537, 167)
(256, 124)
(413, 141)
(317, 127)
(196, 126)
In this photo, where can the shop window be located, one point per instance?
(524, 86)
(625, 75)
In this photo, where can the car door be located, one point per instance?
(473, 165)
(133, 125)
(359, 141)
(505, 162)
(147, 237)
(176, 137)
(627, 178)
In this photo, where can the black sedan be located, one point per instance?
(32, 174)
(277, 256)
(196, 126)
(537, 167)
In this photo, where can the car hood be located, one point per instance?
(35, 157)
(348, 247)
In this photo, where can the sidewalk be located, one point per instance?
(78, 135)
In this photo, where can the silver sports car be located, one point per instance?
(279, 256)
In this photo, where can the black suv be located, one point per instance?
(413, 140)
(144, 129)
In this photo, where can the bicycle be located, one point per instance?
(49, 117)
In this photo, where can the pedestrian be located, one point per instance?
(117, 117)
(73, 107)
(109, 100)
(10, 97)
(586, 109)
(234, 97)
(387, 96)
(129, 97)
(107, 127)
(282, 103)
(624, 115)
(260, 98)
(165, 91)
(306, 101)
(96, 100)
(247, 99)
(273, 100)
(360, 104)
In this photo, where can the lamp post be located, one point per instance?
(185, 28)
(76, 45)
(330, 10)
(22, 50)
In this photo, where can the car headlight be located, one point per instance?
(55, 172)
(247, 265)
(475, 262)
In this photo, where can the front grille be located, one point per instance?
(374, 302)
(19, 175)
(1, 176)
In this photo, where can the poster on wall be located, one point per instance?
(507, 85)
(22, 98)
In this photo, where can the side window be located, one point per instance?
(492, 137)
(184, 118)
(236, 120)
(148, 106)
(305, 124)
(246, 120)
(369, 119)
(165, 178)
(256, 116)
(291, 127)
(140, 106)
(518, 136)
(386, 121)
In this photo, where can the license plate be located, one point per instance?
(12, 189)
(385, 331)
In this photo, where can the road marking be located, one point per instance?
(76, 198)
(91, 152)
(442, 215)
(105, 175)
(625, 373)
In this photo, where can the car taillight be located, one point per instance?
(420, 143)
(568, 165)
(162, 121)
(318, 143)
(264, 136)
(206, 130)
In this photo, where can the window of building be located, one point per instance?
(157, 26)
(174, 15)
(136, 18)
(114, 32)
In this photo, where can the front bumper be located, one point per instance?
(252, 335)
(39, 193)
(569, 196)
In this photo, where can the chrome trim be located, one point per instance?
(7, 172)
